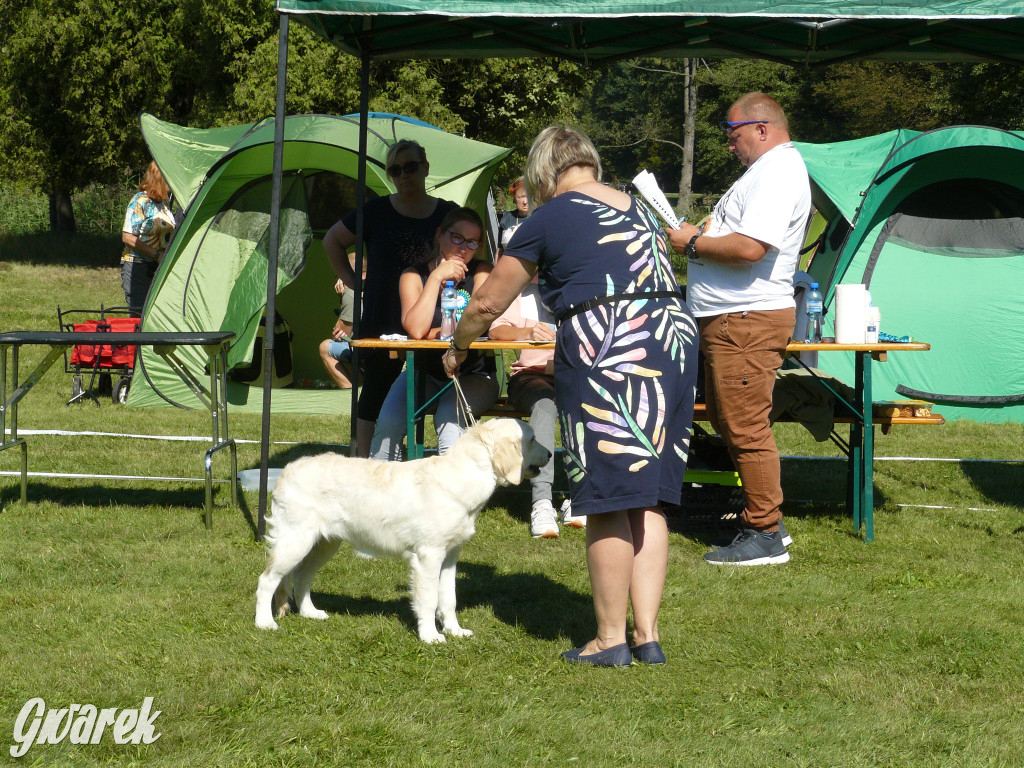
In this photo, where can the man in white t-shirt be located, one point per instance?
(740, 288)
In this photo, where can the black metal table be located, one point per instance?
(214, 343)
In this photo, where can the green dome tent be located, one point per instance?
(933, 224)
(214, 276)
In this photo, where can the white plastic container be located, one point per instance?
(851, 313)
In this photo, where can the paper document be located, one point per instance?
(647, 186)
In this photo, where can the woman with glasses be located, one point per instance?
(456, 243)
(397, 231)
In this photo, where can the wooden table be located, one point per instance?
(860, 488)
(414, 446)
(860, 497)
(215, 344)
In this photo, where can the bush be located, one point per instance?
(99, 210)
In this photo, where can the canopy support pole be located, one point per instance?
(357, 307)
(272, 254)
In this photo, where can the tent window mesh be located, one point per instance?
(247, 219)
(331, 197)
(965, 217)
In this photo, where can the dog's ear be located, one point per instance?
(507, 456)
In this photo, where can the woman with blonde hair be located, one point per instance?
(148, 226)
(398, 230)
(624, 368)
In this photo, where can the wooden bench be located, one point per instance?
(502, 408)
(700, 413)
(732, 478)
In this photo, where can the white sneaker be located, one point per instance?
(571, 520)
(543, 521)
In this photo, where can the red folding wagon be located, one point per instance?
(101, 363)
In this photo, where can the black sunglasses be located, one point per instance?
(396, 170)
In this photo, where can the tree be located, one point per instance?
(74, 76)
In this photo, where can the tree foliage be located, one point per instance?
(74, 74)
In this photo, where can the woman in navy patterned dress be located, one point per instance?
(625, 371)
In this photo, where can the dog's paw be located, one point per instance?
(434, 637)
(314, 613)
(459, 632)
(265, 623)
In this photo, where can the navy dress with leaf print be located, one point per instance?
(625, 371)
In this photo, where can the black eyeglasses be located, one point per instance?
(458, 240)
(728, 127)
(396, 170)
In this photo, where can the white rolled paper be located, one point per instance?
(851, 317)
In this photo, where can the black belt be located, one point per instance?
(586, 306)
(138, 259)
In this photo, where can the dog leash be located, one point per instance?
(463, 411)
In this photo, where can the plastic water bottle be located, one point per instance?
(815, 307)
(449, 303)
(874, 324)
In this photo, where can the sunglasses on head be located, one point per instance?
(458, 240)
(396, 170)
(728, 127)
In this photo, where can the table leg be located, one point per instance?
(862, 451)
(219, 416)
(215, 400)
(11, 404)
(411, 447)
(12, 407)
(868, 450)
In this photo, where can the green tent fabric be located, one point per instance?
(933, 224)
(215, 274)
(804, 32)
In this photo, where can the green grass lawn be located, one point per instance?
(904, 652)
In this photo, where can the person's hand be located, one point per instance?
(451, 269)
(341, 330)
(339, 286)
(452, 360)
(542, 332)
(679, 238)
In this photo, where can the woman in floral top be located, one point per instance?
(148, 226)
(625, 373)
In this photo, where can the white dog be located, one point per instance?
(422, 511)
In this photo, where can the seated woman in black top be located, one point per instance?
(455, 245)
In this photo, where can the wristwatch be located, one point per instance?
(691, 247)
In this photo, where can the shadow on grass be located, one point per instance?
(277, 460)
(1001, 483)
(541, 607)
(96, 495)
(80, 250)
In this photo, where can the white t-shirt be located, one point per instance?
(770, 202)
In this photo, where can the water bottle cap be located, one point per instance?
(449, 283)
(814, 286)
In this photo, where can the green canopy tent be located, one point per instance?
(215, 274)
(794, 31)
(808, 32)
(933, 224)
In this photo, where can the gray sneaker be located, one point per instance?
(787, 540)
(751, 547)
